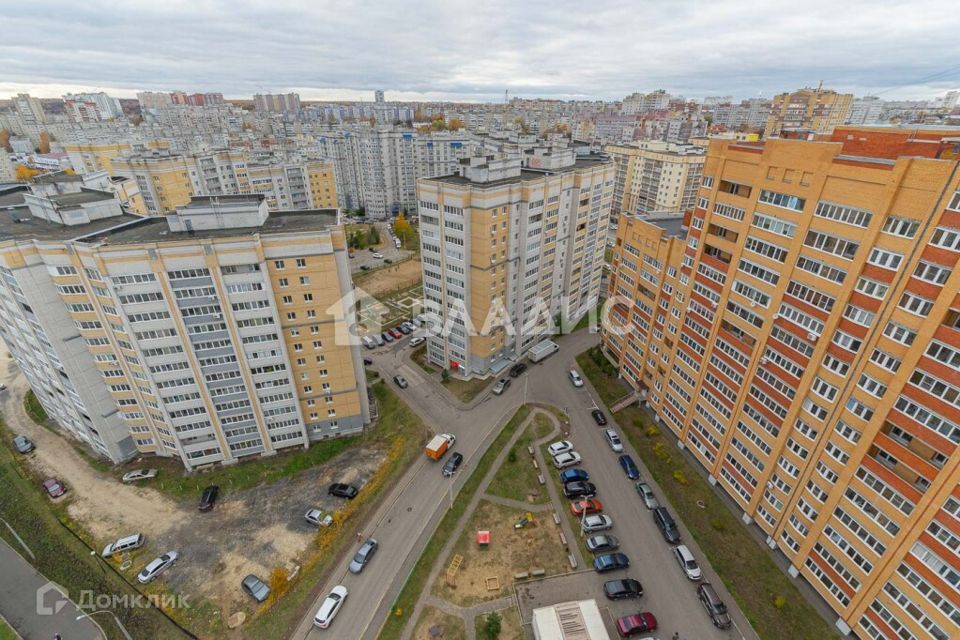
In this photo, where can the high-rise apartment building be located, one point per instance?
(154, 99)
(163, 178)
(209, 335)
(802, 340)
(96, 156)
(808, 110)
(8, 172)
(378, 95)
(91, 107)
(865, 111)
(278, 103)
(501, 240)
(29, 109)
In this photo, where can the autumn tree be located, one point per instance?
(455, 124)
(44, 142)
(25, 174)
(402, 229)
(5, 140)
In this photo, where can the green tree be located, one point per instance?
(373, 235)
(492, 626)
(361, 212)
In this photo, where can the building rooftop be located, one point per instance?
(20, 225)
(68, 200)
(582, 161)
(670, 226)
(156, 229)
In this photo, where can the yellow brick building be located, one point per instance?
(808, 110)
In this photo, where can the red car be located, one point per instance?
(591, 505)
(54, 488)
(637, 623)
(396, 333)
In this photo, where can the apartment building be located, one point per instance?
(295, 185)
(29, 109)
(278, 103)
(654, 179)
(163, 179)
(207, 335)
(93, 156)
(802, 339)
(503, 241)
(809, 110)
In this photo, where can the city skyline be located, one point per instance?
(531, 50)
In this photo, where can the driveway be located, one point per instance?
(20, 604)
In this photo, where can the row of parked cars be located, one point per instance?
(405, 328)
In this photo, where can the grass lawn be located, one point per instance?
(451, 626)
(59, 555)
(594, 315)
(7, 632)
(467, 390)
(34, 409)
(744, 566)
(404, 432)
(517, 476)
(598, 369)
(404, 604)
(510, 627)
(419, 355)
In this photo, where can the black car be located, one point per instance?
(367, 362)
(209, 497)
(579, 489)
(341, 490)
(622, 589)
(599, 418)
(452, 464)
(666, 525)
(517, 369)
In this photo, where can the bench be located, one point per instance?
(573, 561)
(530, 451)
(541, 480)
(556, 518)
(563, 540)
(522, 575)
(538, 572)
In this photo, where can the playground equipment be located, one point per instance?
(524, 521)
(453, 569)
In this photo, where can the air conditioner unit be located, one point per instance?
(218, 316)
(764, 360)
(813, 336)
(753, 303)
(775, 316)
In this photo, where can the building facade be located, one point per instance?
(507, 242)
(278, 103)
(208, 336)
(802, 340)
(809, 110)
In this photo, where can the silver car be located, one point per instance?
(139, 474)
(597, 522)
(613, 439)
(364, 554)
(649, 500)
(156, 567)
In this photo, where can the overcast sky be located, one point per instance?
(475, 50)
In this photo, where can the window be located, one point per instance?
(278, 264)
(903, 227)
(900, 333)
(840, 213)
(783, 200)
(872, 288)
(916, 304)
(774, 225)
(859, 315)
(947, 238)
(831, 244)
(930, 272)
(884, 258)
(301, 263)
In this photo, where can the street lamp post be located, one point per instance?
(115, 619)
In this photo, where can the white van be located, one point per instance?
(127, 543)
(368, 342)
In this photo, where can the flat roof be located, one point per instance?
(582, 161)
(156, 229)
(20, 225)
(671, 226)
(67, 200)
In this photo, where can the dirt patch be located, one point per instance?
(510, 551)
(451, 627)
(390, 279)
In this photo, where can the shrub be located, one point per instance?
(651, 431)
(718, 525)
(779, 602)
(512, 456)
(491, 628)
(680, 477)
(660, 450)
(445, 376)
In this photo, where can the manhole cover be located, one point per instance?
(409, 509)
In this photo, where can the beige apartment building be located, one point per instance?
(93, 157)
(504, 240)
(808, 110)
(801, 338)
(207, 335)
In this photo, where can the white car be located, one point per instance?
(139, 474)
(416, 341)
(685, 559)
(597, 522)
(156, 567)
(562, 446)
(568, 459)
(575, 378)
(328, 610)
(378, 256)
(613, 439)
(317, 518)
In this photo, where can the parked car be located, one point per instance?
(687, 564)
(602, 543)
(587, 504)
(54, 488)
(579, 489)
(622, 589)
(404, 328)
(409, 326)
(126, 543)
(364, 555)
(378, 338)
(452, 464)
(209, 497)
(341, 490)
(649, 499)
(367, 362)
(364, 267)
(23, 444)
(517, 369)
(635, 624)
(3, 387)
(568, 459)
(571, 475)
(331, 605)
(575, 378)
(156, 567)
(559, 447)
(629, 467)
(715, 607)
(416, 341)
(668, 528)
(377, 255)
(501, 386)
(369, 342)
(396, 333)
(597, 522)
(386, 337)
(611, 562)
(599, 417)
(613, 439)
(401, 382)
(139, 474)
(256, 588)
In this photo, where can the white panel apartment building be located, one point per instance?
(207, 336)
(498, 233)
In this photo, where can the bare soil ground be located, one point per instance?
(510, 551)
(249, 531)
(451, 627)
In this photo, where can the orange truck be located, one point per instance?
(439, 445)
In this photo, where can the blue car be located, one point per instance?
(611, 562)
(571, 475)
(629, 467)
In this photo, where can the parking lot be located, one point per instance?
(582, 585)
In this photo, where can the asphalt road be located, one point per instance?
(410, 513)
(19, 583)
